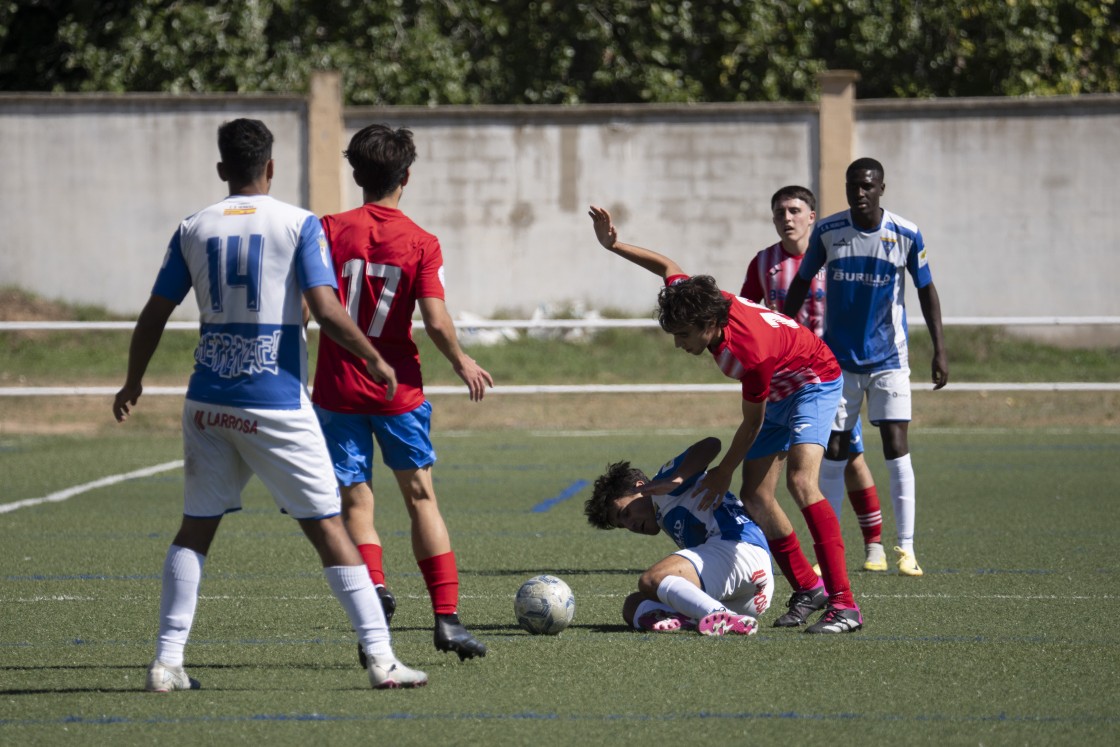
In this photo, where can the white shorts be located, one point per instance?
(224, 446)
(738, 574)
(888, 398)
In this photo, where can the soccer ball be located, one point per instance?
(544, 605)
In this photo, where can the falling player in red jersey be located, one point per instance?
(791, 386)
(767, 279)
(387, 266)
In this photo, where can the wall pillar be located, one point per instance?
(837, 137)
(324, 147)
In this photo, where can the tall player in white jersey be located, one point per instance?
(720, 579)
(768, 277)
(866, 252)
(252, 261)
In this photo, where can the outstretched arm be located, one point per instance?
(696, 459)
(441, 330)
(607, 235)
(324, 305)
(795, 296)
(145, 339)
(931, 311)
(718, 479)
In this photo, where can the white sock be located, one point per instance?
(832, 483)
(182, 574)
(648, 605)
(354, 591)
(902, 498)
(686, 598)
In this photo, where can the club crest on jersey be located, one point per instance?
(324, 250)
(888, 243)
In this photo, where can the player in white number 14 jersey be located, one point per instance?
(252, 260)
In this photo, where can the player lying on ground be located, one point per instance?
(720, 580)
(790, 390)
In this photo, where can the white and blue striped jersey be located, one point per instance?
(678, 516)
(866, 310)
(249, 259)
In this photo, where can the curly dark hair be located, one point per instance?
(246, 148)
(695, 302)
(619, 480)
(380, 157)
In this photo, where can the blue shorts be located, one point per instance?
(404, 441)
(803, 417)
(855, 442)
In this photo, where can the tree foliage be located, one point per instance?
(431, 52)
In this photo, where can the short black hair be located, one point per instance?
(620, 479)
(695, 302)
(865, 164)
(794, 192)
(380, 157)
(246, 148)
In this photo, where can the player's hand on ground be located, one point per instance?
(125, 399)
(712, 488)
(605, 231)
(383, 373)
(940, 371)
(475, 377)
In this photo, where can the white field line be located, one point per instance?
(104, 482)
(179, 391)
(326, 597)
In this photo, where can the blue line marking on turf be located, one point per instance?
(565, 494)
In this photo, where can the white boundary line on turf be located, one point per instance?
(326, 598)
(1038, 386)
(63, 495)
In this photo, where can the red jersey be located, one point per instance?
(768, 277)
(769, 353)
(383, 263)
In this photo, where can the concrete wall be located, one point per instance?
(92, 187)
(1015, 197)
(507, 193)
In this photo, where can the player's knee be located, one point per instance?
(649, 581)
(630, 607)
(801, 487)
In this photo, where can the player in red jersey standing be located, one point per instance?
(768, 278)
(386, 267)
(791, 384)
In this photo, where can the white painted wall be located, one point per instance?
(1015, 197)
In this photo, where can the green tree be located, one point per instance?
(431, 52)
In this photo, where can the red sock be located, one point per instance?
(866, 505)
(795, 566)
(372, 555)
(829, 548)
(442, 579)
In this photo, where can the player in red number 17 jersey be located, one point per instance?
(386, 267)
(383, 262)
(791, 385)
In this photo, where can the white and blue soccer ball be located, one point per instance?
(544, 605)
